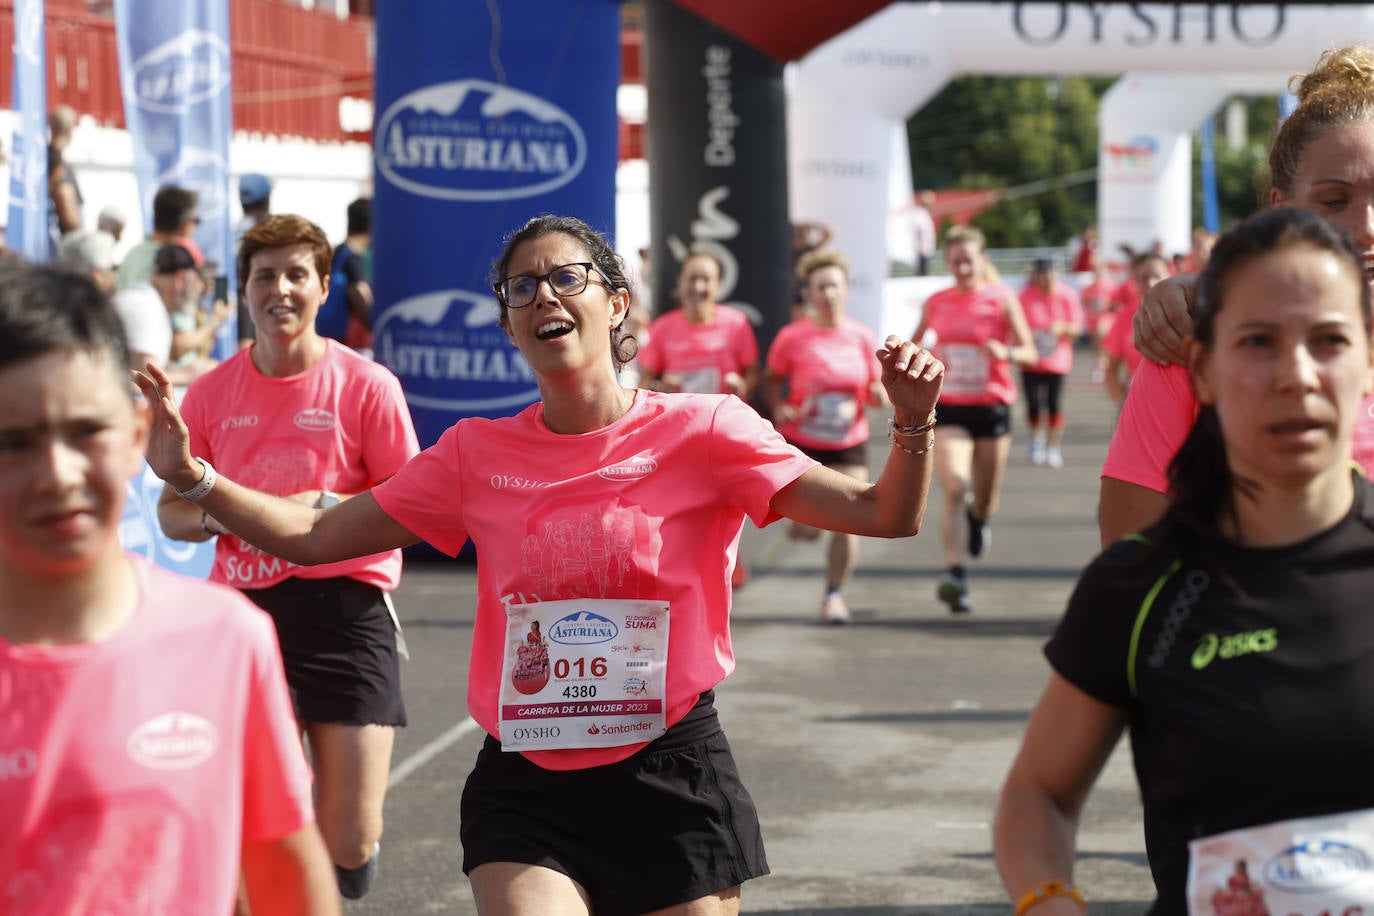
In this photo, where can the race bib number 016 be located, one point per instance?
(1318, 866)
(583, 673)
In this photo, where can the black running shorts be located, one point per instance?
(338, 645)
(668, 825)
(991, 421)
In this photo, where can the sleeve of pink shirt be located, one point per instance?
(1159, 411)
(390, 438)
(1073, 305)
(780, 353)
(751, 460)
(276, 794)
(425, 496)
(745, 345)
(650, 355)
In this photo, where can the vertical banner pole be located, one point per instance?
(1211, 210)
(174, 68)
(27, 231)
(718, 163)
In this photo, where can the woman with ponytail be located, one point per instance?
(1232, 637)
(1322, 159)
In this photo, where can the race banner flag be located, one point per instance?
(27, 231)
(174, 69)
(485, 117)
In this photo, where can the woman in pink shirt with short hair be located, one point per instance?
(821, 375)
(611, 516)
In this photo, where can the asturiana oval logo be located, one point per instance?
(630, 469)
(201, 170)
(315, 420)
(583, 628)
(450, 352)
(475, 140)
(29, 33)
(182, 71)
(1316, 865)
(173, 741)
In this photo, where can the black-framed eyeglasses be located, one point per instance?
(565, 280)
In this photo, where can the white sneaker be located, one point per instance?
(834, 611)
(1054, 457)
(1036, 454)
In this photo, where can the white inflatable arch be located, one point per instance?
(849, 97)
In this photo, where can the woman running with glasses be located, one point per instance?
(603, 727)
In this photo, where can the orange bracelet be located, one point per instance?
(1047, 889)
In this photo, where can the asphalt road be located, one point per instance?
(875, 752)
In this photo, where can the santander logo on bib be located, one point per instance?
(173, 741)
(315, 420)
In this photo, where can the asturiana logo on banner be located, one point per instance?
(30, 28)
(1317, 864)
(184, 70)
(449, 351)
(475, 140)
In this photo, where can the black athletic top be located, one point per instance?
(1245, 707)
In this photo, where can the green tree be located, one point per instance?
(996, 132)
(1242, 174)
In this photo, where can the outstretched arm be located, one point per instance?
(279, 526)
(893, 505)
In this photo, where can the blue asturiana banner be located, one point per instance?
(485, 118)
(174, 68)
(27, 230)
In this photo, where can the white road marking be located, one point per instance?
(428, 752)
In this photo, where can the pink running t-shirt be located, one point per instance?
(1043, 310)
(132, 770)
(829, 372)
(701, 354)
(963, 322)
(1159, 412)
(1119, 342)
(341, 425)
(649, 507)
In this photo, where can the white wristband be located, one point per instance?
(203, 488)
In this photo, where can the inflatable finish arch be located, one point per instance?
(847, 97)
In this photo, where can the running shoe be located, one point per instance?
(979, 534)
(953, 591)
(834, 611)
(1054, 457)
(1036, 454)
(354, 883)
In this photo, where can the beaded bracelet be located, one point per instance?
(894, 430)
(916, 451)
(203, 487)
(1047, 889)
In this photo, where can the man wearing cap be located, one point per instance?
(182, 286)
(112, 219)
(255, 196)
(175, 217)
(89, 252)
